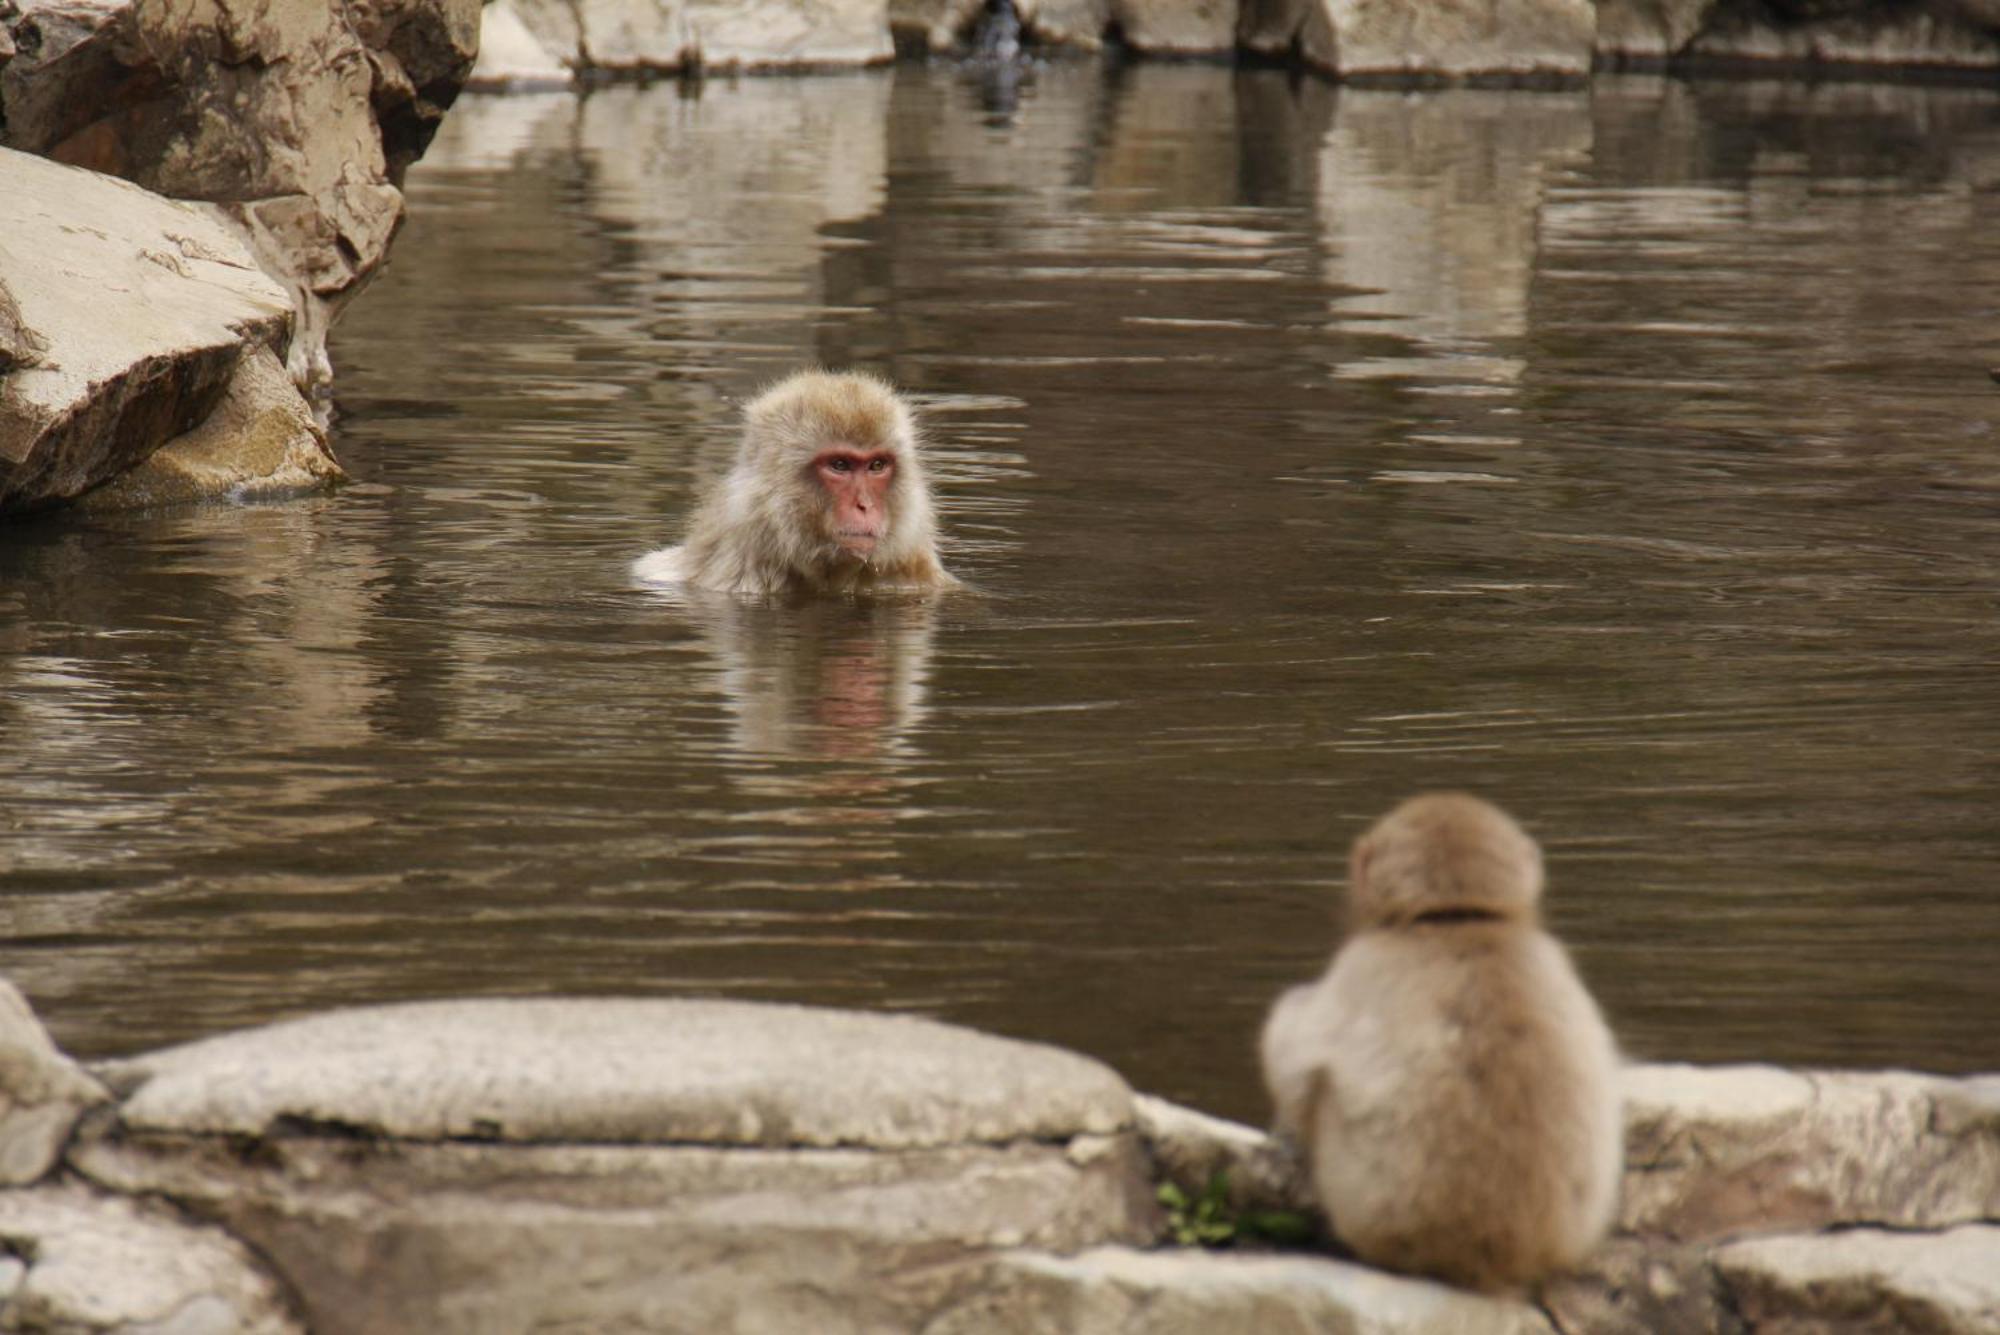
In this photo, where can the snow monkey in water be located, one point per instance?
(827, 495)
(1451, 1082)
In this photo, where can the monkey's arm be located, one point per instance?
(665, 566)
(1294, 1050)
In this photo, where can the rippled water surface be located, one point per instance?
(1627, 456)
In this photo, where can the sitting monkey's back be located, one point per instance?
(1450, 1078)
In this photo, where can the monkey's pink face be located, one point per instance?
(856, 483)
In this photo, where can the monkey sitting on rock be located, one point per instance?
(1452, 1085)
(827, 495)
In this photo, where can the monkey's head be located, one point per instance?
(839, 453)
(1443, 853)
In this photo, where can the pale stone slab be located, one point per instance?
(100, 1264)
(626, 1071)
(1867, 1281)
(1117, 1290)
(394, 1236)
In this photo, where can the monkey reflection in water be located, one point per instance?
(828, 495)
(826, 680)
(1452, 1084)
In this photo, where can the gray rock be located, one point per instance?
(1632, 1286)
(1650, 29)
(933, 25)
(635, 36)
(1077, 24)
(1115, 1289)
(295, 120)
(1916, 35)
(83, 1264)
(98, 394)
(383, 1237)
(627, 1071)
(1449, 38)
(42, 1093)
(1717, 1150)
(1867, 1282)
(261, 442)
(1278, 27)
(1178, 27)
(66, 56)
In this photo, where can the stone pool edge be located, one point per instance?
(661, 1164)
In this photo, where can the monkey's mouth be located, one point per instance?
(858, 541)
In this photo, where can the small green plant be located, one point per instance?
(1202, 1220)
(1205, 1218)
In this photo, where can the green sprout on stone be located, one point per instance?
(1206, 1219)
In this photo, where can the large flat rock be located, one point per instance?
(626, 1071)
(129, 314)
(459, 1238)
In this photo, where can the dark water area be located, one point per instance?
(1627, 456)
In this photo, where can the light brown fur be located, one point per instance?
(1451, 1081)
(765, 528)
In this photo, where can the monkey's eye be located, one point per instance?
(878, 465)
(840, 465)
